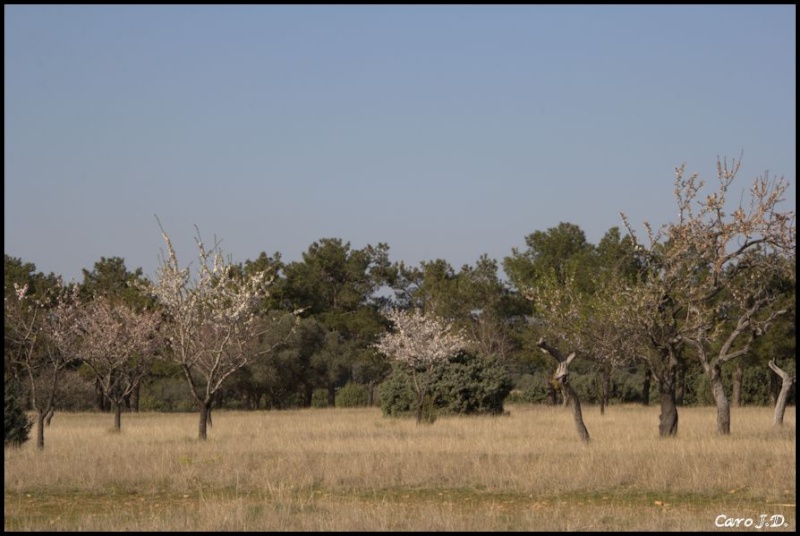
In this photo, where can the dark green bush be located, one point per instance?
(396, 393)
(470, 385)
(586, 387)
(319, 398)
(465, 385)
(352, 395)
(168, 394)
(530, 388)
(755, 386)
(16, 423)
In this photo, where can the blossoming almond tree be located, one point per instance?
(420, 343)
(212, 327)
(33, 324)
(117, 343)
(715, 272)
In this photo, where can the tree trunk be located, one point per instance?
(135, 396)
(551, 393)
(49, 415)
(40, 415)
(117, 416)
(603, 386)
(646, 386)
(723, 405)
(561, 376)
(205, 417)
(668, 420)
(421, 383)
(600, 398)
(583, 433)
(100, 397)
(736, 395)
(773, 390)
(788, 381)
(420, 399)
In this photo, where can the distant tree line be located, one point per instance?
(692, 315)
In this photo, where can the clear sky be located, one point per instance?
(446, 132)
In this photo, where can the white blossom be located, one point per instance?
(211, 317)
(418, 340)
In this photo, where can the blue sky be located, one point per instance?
(444, 131)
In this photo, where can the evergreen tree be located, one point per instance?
(17, 425)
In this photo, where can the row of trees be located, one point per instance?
(701, 289)
(710, 289)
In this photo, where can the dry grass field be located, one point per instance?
(354, 470)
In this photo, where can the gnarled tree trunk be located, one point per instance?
(205, 420)
(552, 397)
(562, 376)
(721, 400)
(667, 377)
(49, 415)
(668, 419)
(774, 389)
(783, 396)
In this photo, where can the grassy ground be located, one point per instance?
(354, 470)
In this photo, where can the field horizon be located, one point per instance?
(352, 469)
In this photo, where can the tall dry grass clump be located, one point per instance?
(353, 469)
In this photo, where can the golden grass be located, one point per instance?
(355, 470)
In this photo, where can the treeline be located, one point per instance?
(698, 311)
(328, 357)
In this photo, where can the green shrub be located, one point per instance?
(319, 398)
(627, 385)
(755, 386)
(352, 395)
(530, 388)
(168, 394)
(16, 423)
(586, 387)
(429, 411)
(465, 385)
(469, 385)
(396, 393)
